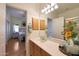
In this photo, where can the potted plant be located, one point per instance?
(70, 31)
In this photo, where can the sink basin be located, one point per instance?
(43, 39)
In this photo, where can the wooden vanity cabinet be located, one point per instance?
(44, 53)
(36, 50)
(31, 48)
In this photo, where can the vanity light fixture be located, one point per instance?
(49, 8)
(48, 11)
(43, 10)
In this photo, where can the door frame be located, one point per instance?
(25, 20)
(49, 20)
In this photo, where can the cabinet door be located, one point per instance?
(44, 53)
(36, 50)
(31, 48)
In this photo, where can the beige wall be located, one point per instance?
(70, 13)
(2, 29)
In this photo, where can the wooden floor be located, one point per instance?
(14, 47)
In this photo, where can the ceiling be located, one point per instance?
(63, 7)
(15, 12)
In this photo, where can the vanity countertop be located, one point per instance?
(49, 46)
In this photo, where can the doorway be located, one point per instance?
(15, 31)
(49, 27)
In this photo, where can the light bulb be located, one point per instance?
(49, 11)
(52, 9)
(46, 12)
(42, 11)
(48, 6)
(56, 6)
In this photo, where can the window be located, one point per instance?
(16, 28)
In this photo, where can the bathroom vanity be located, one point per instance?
(39, 47)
